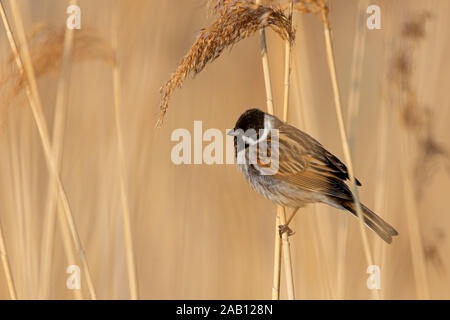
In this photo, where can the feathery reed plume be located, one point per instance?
(431, 156)
(311, 6)
(413, 120)
(240, 21)
(416, 119)
(46, 51)
(221, 7)
(432, 249)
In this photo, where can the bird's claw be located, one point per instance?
(285, 229)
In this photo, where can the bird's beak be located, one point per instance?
(232, 132)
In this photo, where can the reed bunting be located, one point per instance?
(305, 173)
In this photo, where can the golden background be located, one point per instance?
(199, 231)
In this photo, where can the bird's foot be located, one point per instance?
(285, 229)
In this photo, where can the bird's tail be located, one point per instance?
(372, 220)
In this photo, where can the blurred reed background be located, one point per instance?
(199, 231)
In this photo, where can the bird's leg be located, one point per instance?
(285, 227)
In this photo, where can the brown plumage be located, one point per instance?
(306, 171)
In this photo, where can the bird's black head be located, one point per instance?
(249, 124)
(250, 119)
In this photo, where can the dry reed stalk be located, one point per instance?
(269, 101)
(266, 72)
(26, 68)
(381, 180)
(319, 237)
(27, 174)
(68, 248)
(5, 259)
(345, 145)
(59, 118)
(286, 256)
(342, 238)
(282, 212)
(298, 96)
(16, 186)
(317, 7)
(277, 260)
(239, 21)
(131, 267)
(359, 46)
(281, 215)
(3, 252)
(19, 147)
(382, 150)
(287, 66)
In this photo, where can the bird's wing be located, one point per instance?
(304, 162)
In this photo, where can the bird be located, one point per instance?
(304, 171)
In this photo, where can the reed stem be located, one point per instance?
(359, 46)
(266, 71)
(269, 101)
(131, 267)
(319, 233)
(26, 69)
(4, 257)
(282, 211)
(277, 260)
(287, 66)
(340, 118)
(3, 252)
(281, 215)
(52, 206)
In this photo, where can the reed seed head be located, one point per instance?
(237, 20)
(46, 51)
